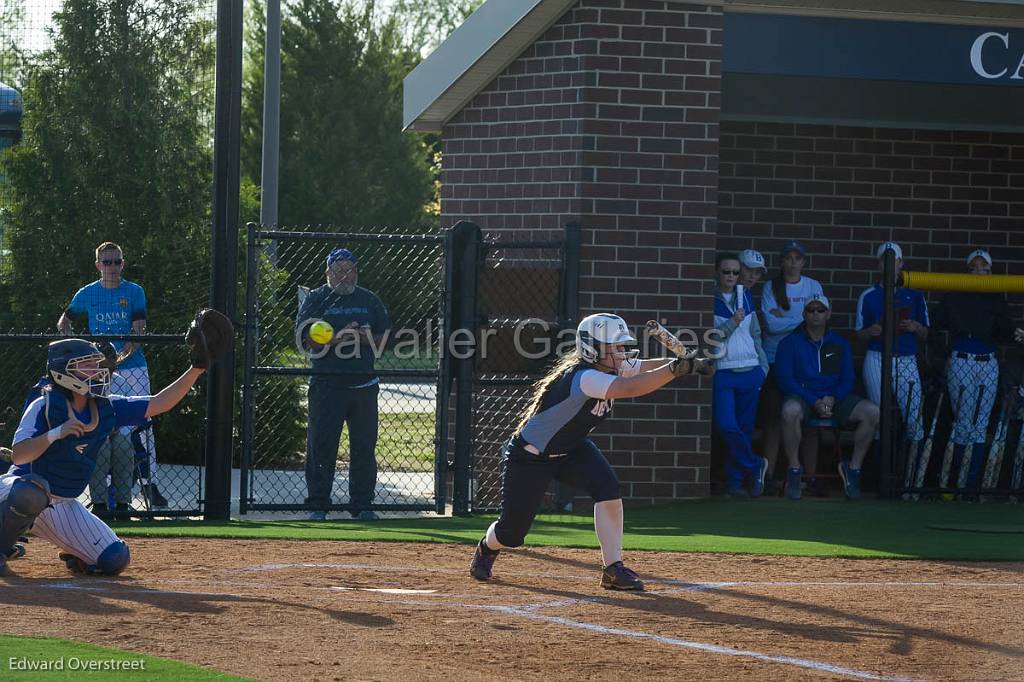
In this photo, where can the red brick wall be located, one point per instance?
(611, 120)
(843, 191)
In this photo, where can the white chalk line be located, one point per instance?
(699, 646)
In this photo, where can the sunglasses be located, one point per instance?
(734, 273)
(112, 261)
(815, 311)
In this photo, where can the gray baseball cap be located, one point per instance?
(752, 259)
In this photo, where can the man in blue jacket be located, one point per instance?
(814, 369)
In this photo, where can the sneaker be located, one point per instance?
(122, 511)
(153, 493)
(317, 516)
(100, 511)
(772, 488)
(482, 566)
(618, 577)
(366, 515)
(851, 480)
(793, 483)
(74, 564)
(757, 487)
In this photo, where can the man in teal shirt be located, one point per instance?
(113, 305)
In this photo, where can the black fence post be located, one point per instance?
(444, 369)
(466, 240)
(570, 298)
(224, 253)
(887, 424)
(249, 353)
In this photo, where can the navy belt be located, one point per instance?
(976, 358)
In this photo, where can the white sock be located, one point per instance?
(608, 524)
(491, 540)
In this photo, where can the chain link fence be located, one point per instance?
(290, 384)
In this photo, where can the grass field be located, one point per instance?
(813, 528)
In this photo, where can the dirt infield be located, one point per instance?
(373, 611)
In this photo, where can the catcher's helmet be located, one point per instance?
(79, 366)
(594, 331)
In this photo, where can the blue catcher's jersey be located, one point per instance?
(570, 409)
(68, 464)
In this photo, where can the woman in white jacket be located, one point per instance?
(741, 368)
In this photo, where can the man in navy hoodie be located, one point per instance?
(814, 369)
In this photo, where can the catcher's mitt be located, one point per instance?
(209, 338)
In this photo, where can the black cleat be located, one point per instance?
(618, 577)
(153, 493)
(483, 564)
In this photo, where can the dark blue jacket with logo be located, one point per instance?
(814, 369)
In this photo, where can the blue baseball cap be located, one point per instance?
(340, 255)
(794, 245)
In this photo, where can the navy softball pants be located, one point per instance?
(330, 407)
(525, 478)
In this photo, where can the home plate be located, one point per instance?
(385, 590)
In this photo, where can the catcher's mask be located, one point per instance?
(596, 331)
(80, 367)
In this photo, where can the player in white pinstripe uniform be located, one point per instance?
(976, 322)
(912, 324)
(54, 455)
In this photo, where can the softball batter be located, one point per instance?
(551, 441)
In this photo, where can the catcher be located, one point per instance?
(60, 433)
(551, 441)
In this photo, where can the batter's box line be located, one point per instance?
(698, 646)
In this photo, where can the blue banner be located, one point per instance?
(877, 50)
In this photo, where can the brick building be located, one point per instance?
(670, 130)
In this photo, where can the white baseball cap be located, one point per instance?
(820, 298)
(752, 259)
(982, 254)
(893, 246)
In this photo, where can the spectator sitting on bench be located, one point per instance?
(814, 366)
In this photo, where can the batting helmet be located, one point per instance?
(599, 329)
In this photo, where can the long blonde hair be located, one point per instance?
(540, 388)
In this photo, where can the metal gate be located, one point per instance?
(519, 297)
(407, 272)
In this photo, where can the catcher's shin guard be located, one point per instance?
(28, 497)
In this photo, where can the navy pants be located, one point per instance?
(734, 407)
(525, 478)
(330, 407)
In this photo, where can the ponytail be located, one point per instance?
(779, 291)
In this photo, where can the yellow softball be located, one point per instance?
(321, 331)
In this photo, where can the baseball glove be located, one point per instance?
(209, 338)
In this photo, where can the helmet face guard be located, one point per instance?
(80, 367)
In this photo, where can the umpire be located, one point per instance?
(975, 322)
(348, 392)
